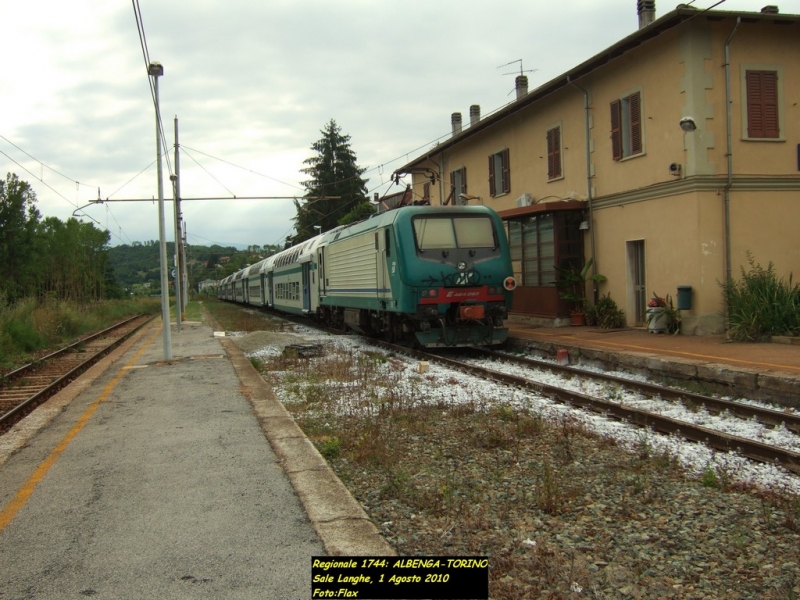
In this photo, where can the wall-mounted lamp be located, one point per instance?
(318, 228)
(687, 124)
(583, 226)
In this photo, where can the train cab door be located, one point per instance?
(382, 254)
(323, 284)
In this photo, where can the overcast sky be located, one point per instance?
(252, 83)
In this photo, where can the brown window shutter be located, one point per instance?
(616, 129)
(464, 179)
(506, 175)
(635, 101)
(762, 104)
(452, 194)
(492, 190)
(426, 192)
(554, 153)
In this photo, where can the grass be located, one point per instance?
(236, 318)
(31, 326)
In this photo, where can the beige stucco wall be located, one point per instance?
(681, 237)
(655, 71)
(757, 46)
(767, 224)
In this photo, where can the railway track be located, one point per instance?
(716, 439)
(763, 415)
(22, 390)
(613, 409)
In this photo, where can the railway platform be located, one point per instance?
(180, 478)
(761, 371)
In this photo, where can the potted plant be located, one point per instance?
(662, 316)
(574, 281)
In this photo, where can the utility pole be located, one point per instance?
(183, 260)
(176, 190)
(156, 70)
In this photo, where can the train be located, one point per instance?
(427, 276)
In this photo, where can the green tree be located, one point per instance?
(335, 192)
(73, 260)
(19, 218)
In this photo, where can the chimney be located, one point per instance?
(647, 12)
(770, 9)
(455, 120)
(474, 114)
(521, 85)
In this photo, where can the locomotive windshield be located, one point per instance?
(434, 233)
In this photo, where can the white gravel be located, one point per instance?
(444, 385)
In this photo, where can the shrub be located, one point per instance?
(761, 304)
(605, 314)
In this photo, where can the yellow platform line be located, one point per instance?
(26, 491)
(678, 352)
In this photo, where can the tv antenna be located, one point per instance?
(521, 71)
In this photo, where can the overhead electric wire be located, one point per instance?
(207, 171)
(184, 147)
(146, 54)
(45, 165)
(131, 179)
(21, 166)
(55, 191)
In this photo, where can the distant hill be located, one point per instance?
(139, 263)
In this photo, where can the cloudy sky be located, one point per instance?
(252, 83)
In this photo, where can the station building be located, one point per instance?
(669, 159)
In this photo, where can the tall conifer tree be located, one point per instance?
(335, 192)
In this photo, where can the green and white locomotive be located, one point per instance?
(434, 276)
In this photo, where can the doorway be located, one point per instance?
(637, 286)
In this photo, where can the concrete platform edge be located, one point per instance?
(721, 378)
(340, 521)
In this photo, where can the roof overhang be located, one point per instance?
(544, 207)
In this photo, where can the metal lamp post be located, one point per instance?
(156, 70)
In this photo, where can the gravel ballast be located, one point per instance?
(562, 511)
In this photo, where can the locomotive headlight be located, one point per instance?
(432, 293)
(424, 293)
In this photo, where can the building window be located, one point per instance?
(499, 174)
(554, 153)
(540, 242)
(533, 245)
(762, 104)
(458, 185)
(626, 126)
